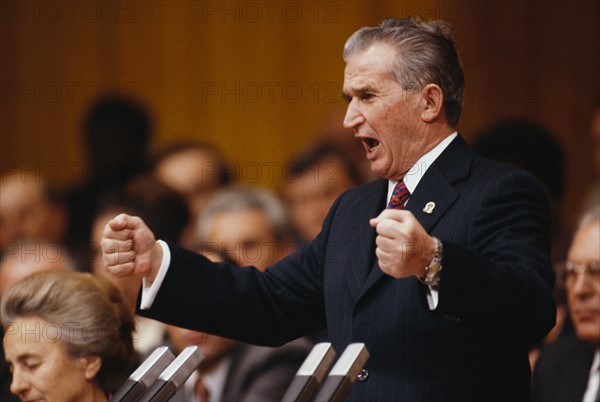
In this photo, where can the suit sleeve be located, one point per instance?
(263, 308)
(503, 276)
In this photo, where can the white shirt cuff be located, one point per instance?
(150, 290)
(433, 297)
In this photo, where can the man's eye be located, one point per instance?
(367, 96)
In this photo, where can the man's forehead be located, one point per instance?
(368, 67)
(365, 79)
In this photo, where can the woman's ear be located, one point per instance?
(91, 365)
(433, 102)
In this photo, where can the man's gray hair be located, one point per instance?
(238, 198)
(426, 54)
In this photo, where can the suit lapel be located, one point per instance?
(361, 259)
(435, 186)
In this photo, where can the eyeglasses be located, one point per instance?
(569, 271)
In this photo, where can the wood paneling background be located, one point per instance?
(259, 78)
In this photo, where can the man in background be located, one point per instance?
(244, 226)
(30, 209)
(196, 170)
(569, 368)
(315, 178)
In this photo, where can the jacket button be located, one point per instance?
(363, 375)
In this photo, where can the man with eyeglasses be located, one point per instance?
(569, 369)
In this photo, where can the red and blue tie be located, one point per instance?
(399, 196)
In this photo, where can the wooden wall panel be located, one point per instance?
(259, 78)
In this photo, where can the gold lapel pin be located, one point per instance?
(429, 207)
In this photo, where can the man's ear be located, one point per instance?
(432, 99)
(91, 366)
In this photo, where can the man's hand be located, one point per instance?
(129, 248)
(403, 247)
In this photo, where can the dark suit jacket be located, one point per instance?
(259, 373)
(494, 297)
(562, 370)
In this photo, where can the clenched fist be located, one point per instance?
(129, 248)
(404, 248)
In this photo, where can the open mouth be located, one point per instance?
(370, 144)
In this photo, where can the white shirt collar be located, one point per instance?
(593, 386)
(417, 171)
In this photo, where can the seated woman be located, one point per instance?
(67, 334)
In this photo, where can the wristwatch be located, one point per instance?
(432, 271)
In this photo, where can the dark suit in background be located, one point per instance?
(259, 373)
(562, 370)
(494, 296)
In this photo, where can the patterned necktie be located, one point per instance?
(399, 196)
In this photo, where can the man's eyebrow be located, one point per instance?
(364, 88)
(367, 87)
(358, 91)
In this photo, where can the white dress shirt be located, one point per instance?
(593, 385)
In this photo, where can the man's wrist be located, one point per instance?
(432, 270)
(157, 258)
(150, 289)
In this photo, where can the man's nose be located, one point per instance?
(353, 116)
(581, 285)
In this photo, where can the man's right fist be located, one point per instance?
(129, 248)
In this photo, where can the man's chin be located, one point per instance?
(378, 170)
(589, 333)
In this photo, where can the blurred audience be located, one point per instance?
(315, 178)
(24, 258)
(167, 215)
(595, 130)
(117, 134)
(249, 225)
(569, 368)
(68, 337)
(195, 170)
(233, 370)
(30, 209)
(19, 261)
(592, 195)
